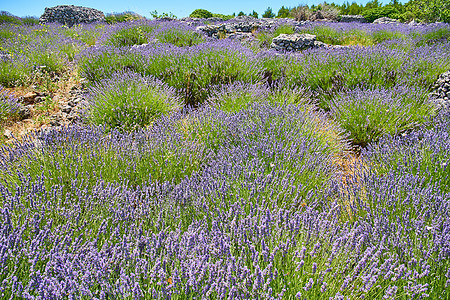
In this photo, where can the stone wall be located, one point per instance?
(352, 18)
(441, 94)
(70, 15)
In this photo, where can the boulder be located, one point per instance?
(293, 42)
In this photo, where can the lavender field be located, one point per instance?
(191, 167)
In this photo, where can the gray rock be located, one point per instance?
(8, 134)
(386, 20)
(296, 42)
(5, 56)
(24, 112)
(70, 15)
(66, 109)
(441, 93)
(352, 18)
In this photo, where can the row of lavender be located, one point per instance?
(244, 196)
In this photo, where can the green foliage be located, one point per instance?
(333, 36)
(169, 15)
(265, 38)
(6, 17)
(445, 15)
(136, 35)
(179, 37)
(223, 17)
(429, 10)
(351, 9)
(201, 13)
(13, 74)
(122, 17)
(30, 21)
(379, 12)
(192, 74)
(268, 13)
(241, 13)
(283, 12)
(253, 14)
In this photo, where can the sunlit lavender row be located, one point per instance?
(203, 168)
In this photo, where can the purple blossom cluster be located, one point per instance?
(9, 105)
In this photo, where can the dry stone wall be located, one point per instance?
(70, 15)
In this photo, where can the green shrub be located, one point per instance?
(179, 37)
(369, 114)
(30, 21)
(122, 17)
(201, 13)
(136, 35)
(6, 17)
(223, 17)
(268, 13)
(379, 12)
(445, 16)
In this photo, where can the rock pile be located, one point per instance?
(245, 25)
(386, 20)
(5, 56)
(441, 94)
(70, 15)
(293, 42)
(352, 18)
(70, 109)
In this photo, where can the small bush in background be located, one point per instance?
(113, 18)
(131, 35)
(301, 13)
(178, 36)
(379, 12)
(201, 13)
(128, 101)
(6, 17)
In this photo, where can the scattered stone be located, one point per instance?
(5, 56)
(245, 24)
(352, 18)
(386, 20)
(29, 97)
(441, 93)
(8, 134)
(66, 109)
(24, 112)
(70, 15)
(39, 99)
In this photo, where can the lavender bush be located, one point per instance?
(238, 96)
(9, 105)
(369, 114)
(128, 100)
(423, 153)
